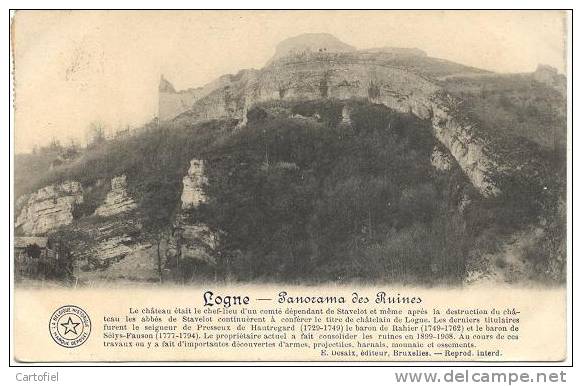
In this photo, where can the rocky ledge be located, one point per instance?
(49, 208)
(193, 193)
(117, 200)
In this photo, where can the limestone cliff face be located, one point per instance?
(192, 239)
(345, 75)
(98, 241)
(49, 208)
(117, 200)
(119, 235)
(108, 242)
(193, 192)
(315, 66)
(441, 160)
(458, 135)
(193, 242)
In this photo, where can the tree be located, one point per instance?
(55, 145)
(71, 151)
(373, 90)
(157, 217)
(33, 251)
(96, 134)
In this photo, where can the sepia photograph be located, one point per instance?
(290, 185)
(319, 157)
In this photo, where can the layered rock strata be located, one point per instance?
(346, 75)
(117, 200)
(194, 182)
(49, 208)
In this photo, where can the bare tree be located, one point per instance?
(96, 134)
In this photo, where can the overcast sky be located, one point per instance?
(76, 67)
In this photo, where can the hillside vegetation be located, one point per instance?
(311, 197)
(298, 194)
(514, 105)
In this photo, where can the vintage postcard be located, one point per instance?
(308, 186)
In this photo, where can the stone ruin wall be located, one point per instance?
(172, 104)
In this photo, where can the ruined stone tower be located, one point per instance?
(172, 103)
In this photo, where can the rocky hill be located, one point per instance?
(305, 68)
(254, 169)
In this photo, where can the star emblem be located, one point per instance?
(70, 326)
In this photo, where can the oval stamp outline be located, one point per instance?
(70, 326)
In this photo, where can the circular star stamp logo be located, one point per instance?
(70, 326)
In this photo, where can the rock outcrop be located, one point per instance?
(117, 200)
(193, 242)
(110, 236)
(318, 66)
(346, 116)
(116, 248)
(440, 160)
(139, 266)
(192, 239)
(107, 242)
(201, 243)
(193, 192)
(49, 208)
(549, 76)
(342, 74)
(458, 135)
